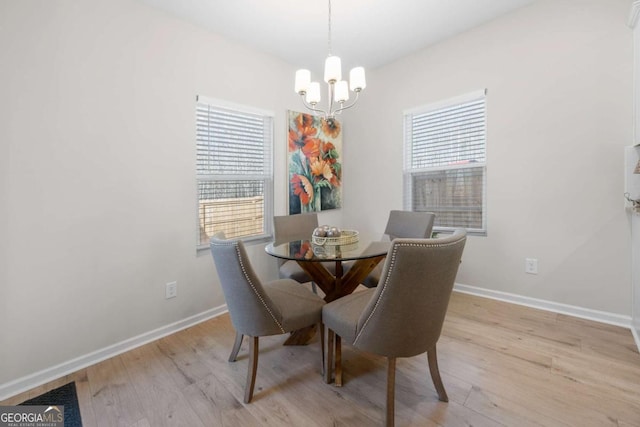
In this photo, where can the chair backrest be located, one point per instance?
(252, 311)
(405, 314)
(408, 224)
(294, 227)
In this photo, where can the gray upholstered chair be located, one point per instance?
(403, 316)
(403, 224)
(259, 309)
(293, 227)
(298, 227)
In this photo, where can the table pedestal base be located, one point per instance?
(334, 287)
(302, 336)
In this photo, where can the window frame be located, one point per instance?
(409, 171)
(267, 178)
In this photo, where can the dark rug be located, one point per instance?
(65, 395)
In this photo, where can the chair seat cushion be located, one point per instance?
(342, 314)
(299, 306)
(371, 281)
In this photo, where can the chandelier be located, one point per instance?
(338, 89)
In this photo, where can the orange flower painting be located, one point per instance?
(315, 168)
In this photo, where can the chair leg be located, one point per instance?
(328, 371)
(321, 328)
(251, 369)
(338, 361)
(435, 374)
(236, 347)
(389, 416)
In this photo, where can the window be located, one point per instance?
(234, 170)
(445, 162)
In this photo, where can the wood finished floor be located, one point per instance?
(502, 365)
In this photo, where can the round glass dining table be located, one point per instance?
(363, 256)
(312, 257)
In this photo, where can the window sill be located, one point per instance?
(449, 231)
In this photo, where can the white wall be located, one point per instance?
(97, 161)
(99, 120)
(4, 229)
(633, 181)
(559, 82)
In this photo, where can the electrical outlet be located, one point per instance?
(171, 290)
(531, 265)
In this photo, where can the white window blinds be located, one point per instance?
(234, 170)
(445, 162)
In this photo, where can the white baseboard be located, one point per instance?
(556, 307)
(49, 374)
(636, 335)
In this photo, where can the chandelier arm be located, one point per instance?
(331, 101)
(339, 110)
(311, 106)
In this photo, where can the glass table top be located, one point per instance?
(306, 250)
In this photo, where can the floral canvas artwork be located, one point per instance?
(315, 168)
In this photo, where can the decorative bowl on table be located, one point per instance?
(343, 237)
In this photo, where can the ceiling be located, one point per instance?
(369, 33)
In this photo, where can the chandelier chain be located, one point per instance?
(329, 32)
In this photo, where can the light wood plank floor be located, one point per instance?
(502, 365)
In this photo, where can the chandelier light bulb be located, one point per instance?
(303, 79)
(357, 79)
(313, 94)
(332, 69)
(342, 91)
